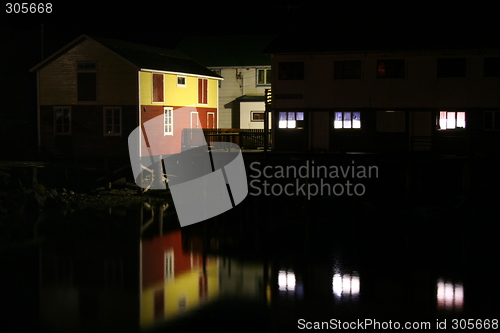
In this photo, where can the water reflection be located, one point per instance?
(346, 285)
(450, 295)
(99, 275)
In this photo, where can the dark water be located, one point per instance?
(272, 263)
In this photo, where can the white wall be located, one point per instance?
(245, 115)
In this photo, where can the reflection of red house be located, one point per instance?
(173, 281)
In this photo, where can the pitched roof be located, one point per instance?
(141, 56)
(228, 50)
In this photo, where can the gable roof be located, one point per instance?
(228, 50)
(143, 57)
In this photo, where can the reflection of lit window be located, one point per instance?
(291, 119)
(347, 120)
(345, 285)
(451, 120)
(286, 280)
(450, 296)
(169, 265)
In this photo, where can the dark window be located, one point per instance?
(157, 87)
(347, 69)
(492, 67)
(451, 67)
(62, 120)
(87, 87)
(492, 120)
(394, 68)
(291, 71)
(86, 81)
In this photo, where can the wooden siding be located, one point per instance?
(170, 144)
(87, 132)
(116, 78)
(175, 95)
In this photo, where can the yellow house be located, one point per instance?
(94, 92)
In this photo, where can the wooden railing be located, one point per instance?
(245, 138)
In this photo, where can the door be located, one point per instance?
(319, 134)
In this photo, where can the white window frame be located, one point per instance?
(451, 120)
(68, 108)
(168, 121)
(266, 70)
(113, 109)
(289, 119)
(347, 120)
(181, 85)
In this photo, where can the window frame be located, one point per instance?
(64, 108)
(295, 71)
(181, 85)
(393, 68)
(494, 115)
(252, 113)
(105, 117)
(343, 121)
(444, 122)
(491, 67)
(444, 68)
(341, 67)
(267, 77)
(168, 113)
(290, 123)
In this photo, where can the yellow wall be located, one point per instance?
(187, 284)
(177, 96)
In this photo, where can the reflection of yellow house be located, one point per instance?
(174, 281)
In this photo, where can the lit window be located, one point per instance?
(451, 120)
(286, 280)
(492, 120)
(347, 120)
(263, 76)
(181, 81)
(291, 119)
(112, 121)
(62, 120)
(168, 114)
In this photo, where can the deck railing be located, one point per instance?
(245, 138)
